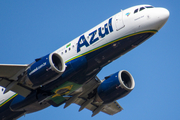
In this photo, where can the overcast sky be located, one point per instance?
(32, 29)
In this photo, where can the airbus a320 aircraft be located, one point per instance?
(68, 75)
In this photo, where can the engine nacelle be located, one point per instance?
(115, 87)
(44, 70)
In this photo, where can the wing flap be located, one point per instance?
(109, 109)
(21, 90)
(4, 82)
(112, 108)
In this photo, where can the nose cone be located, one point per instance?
(162, 15)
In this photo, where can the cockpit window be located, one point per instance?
(142, 8)
(149, 7)
(136, 10)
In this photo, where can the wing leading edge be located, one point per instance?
(8, 78)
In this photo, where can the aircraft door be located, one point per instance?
(119, 21)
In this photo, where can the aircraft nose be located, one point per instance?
(162, 15)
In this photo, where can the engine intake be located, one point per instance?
(115, 87)
(45, 70)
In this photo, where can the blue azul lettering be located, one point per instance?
(92, 40)
(103, 31)
(82, 41)
(110, 25)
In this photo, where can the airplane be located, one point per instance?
(69, 74)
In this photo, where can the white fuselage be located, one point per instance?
(124, 23)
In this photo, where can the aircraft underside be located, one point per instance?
(96, 60)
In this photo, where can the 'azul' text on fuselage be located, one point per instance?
(93, 37)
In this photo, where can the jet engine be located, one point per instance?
(115, 87)
(44, 70)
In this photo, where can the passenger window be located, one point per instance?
(135, 11)
(142, 8)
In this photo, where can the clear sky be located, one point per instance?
(32, 29)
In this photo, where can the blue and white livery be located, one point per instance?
(69, 74)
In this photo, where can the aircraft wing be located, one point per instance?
(110, 109)
(86, 99)
(8, 78)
